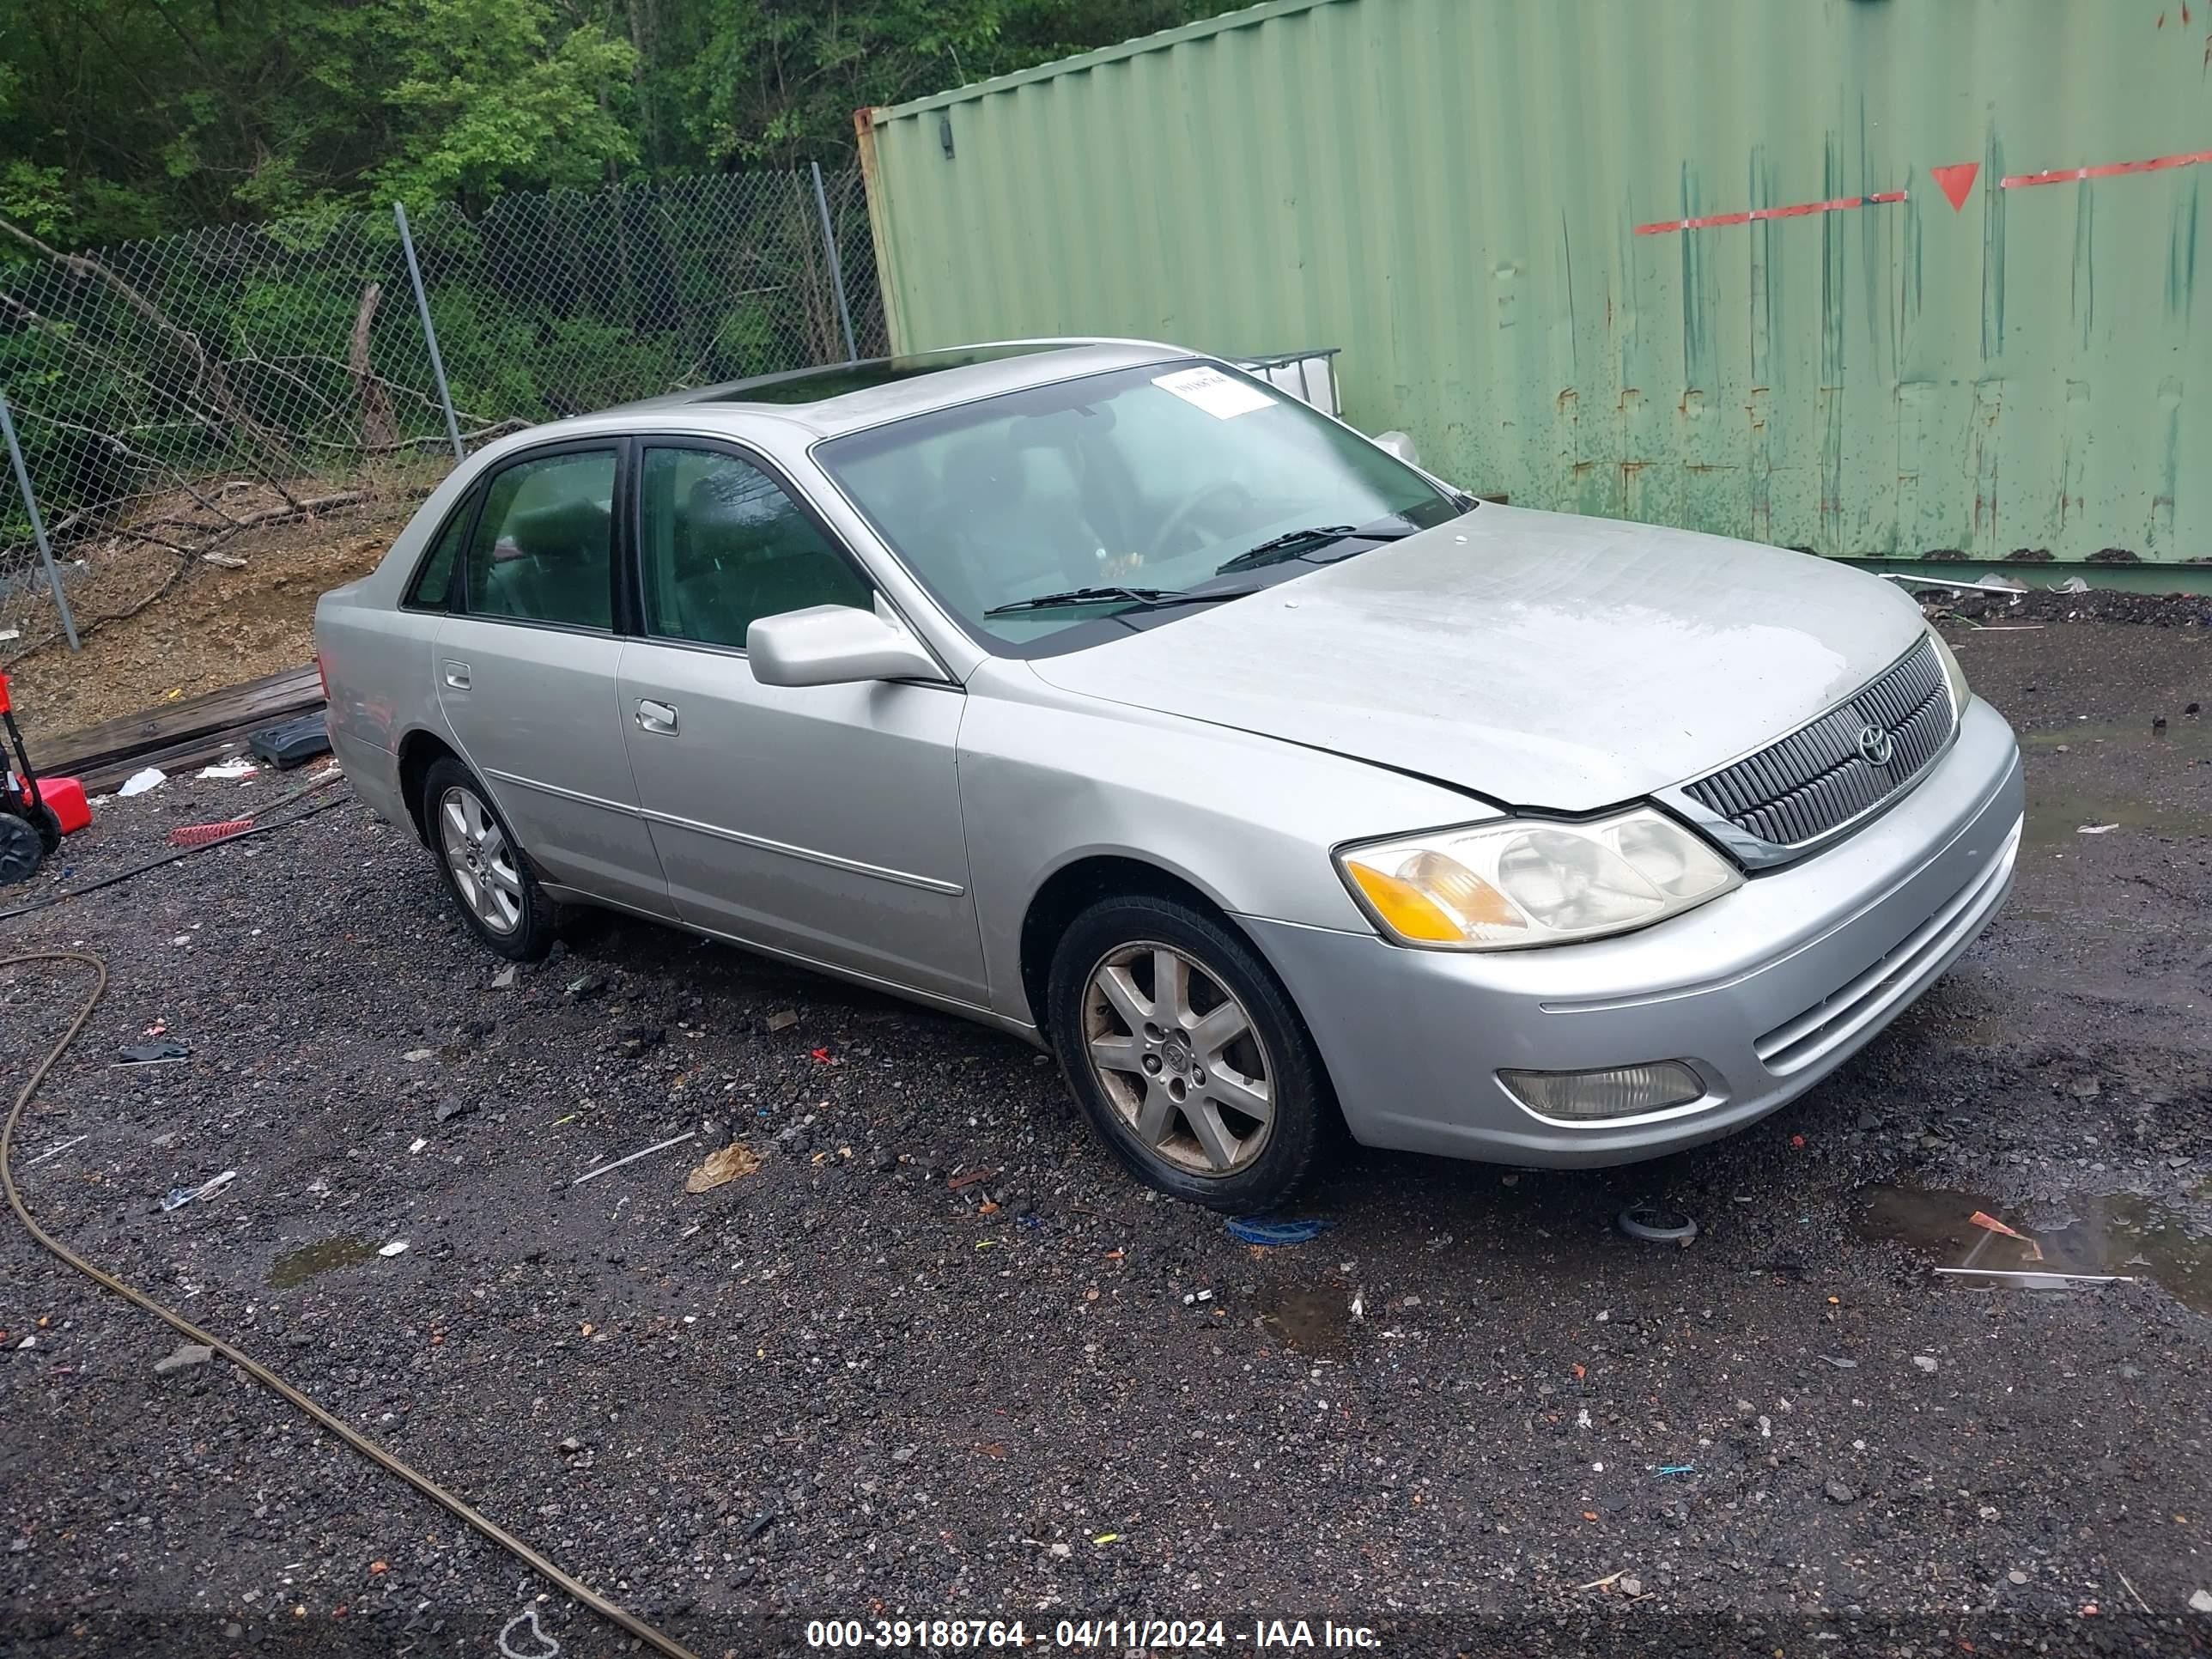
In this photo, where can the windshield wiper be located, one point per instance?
(1142, 597)
(1291, 543)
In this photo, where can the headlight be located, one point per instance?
(1954, 676)
(1523, 882)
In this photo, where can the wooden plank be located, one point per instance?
(187, 754)
(261, 702)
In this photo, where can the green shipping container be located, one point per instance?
(1885, 278)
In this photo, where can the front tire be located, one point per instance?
(483, 865)
(1186, 1054)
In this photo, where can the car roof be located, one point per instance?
(846, 397)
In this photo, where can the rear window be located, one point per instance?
(433, 587)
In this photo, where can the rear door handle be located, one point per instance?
(456, 676)
(657, 716)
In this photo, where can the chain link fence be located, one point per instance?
(177, 398)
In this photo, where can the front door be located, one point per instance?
(527, 675)
(820, 820)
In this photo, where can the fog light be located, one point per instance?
(1618, 1091)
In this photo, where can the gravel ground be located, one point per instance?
(858, 1383)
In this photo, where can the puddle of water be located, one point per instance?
(2111, 1233)
(298, 1266)
(1312, 1321)
(2055, 818)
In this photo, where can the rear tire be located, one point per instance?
(484, 867)
(48, 826)
(1187, 1057)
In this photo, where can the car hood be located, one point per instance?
(1537, 659)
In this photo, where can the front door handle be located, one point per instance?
(457, 675)
(657, 716)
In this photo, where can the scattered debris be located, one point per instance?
(781, 1020)
(2096, 829)
(1192, 1298)
(1275, 1233)
(187, 1355)
(2071, 585)
(418, 1054)
(1605, 1582)
(505, 978)
(177, 1197)
(970, 1178)
(549, 1648)
(398, 1247)
(293, 742)
(152, 1054)
(418, 1144)
(1678, 1468)
(1653, 1223)
(56, 1150)
(223, 560)
(237, 768)
(1983, 1218)
(1926, 1362)
(2133, 1591)
(2200, 1601)
(645, 1151)
(720, 1167)
(2029, 1279)
(151, 777)
(1840, 1363)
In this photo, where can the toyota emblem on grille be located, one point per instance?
(1875, 747)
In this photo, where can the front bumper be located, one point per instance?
(1764, 991)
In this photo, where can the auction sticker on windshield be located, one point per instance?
(1217, 394)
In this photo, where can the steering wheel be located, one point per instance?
(1224, 492)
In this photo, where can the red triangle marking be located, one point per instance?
(1956, 181)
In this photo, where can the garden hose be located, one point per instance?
(422, 1483)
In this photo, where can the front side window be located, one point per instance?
(722, 545)
(544, 549)
(1148, 478)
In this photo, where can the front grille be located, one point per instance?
(1799, 788)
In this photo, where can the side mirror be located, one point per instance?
(833, 644)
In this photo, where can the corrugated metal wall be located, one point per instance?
(1481, 201)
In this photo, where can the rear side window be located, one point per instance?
(433, 579)
(544, 547)
(723, 545)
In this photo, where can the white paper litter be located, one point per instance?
(398, 1247)
(1216, 393)
(8, 634)
(138, 783)
(2096, 829)
(237, 768)
(419, 1145)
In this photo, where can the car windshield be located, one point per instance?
(1104, 489)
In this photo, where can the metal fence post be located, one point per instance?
(429, 332)
(38, 525)
(836, 269)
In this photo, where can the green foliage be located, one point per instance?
(120, 118)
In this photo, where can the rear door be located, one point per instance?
(821, 820)
(528, 671)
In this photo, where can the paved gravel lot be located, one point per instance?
(858, 1384)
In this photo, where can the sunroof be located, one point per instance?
(813, 385)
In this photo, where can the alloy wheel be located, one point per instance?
(481, 859)
(1179, 1057)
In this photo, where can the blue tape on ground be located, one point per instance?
(1276, 1232)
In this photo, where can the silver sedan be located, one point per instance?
(1101, 693)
